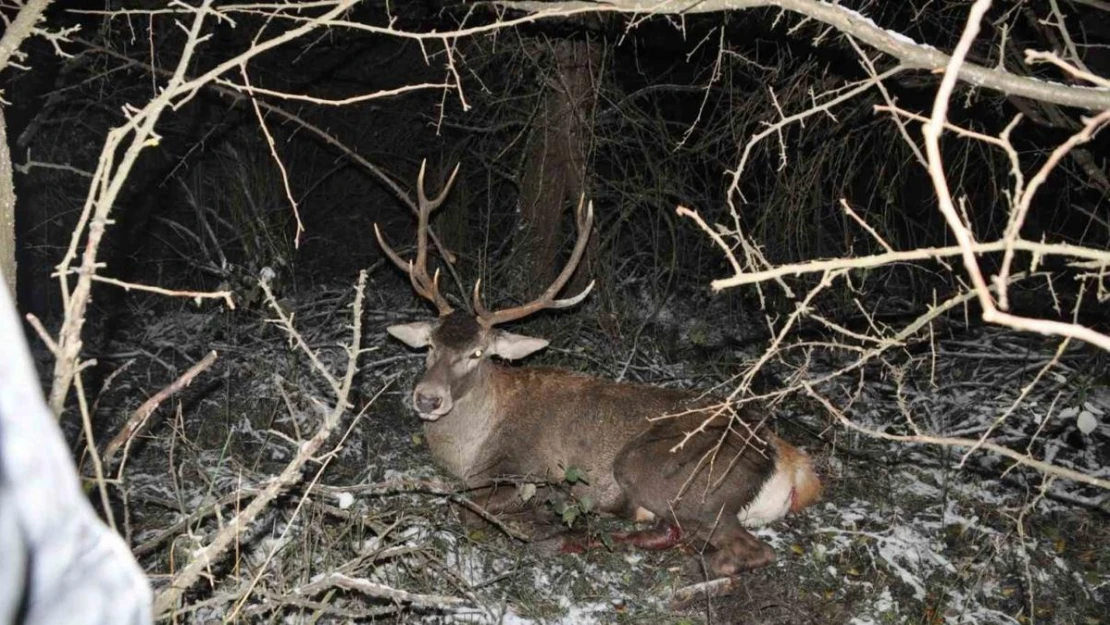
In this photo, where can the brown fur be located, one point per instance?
(535, 423)
(807, 487)
(455, 331)
(484, 422)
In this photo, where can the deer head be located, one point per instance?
(460, 344)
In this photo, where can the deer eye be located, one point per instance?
(476, 354)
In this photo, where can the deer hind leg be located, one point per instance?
(735, 549)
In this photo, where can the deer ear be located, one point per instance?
(417, 334)
(513, 346)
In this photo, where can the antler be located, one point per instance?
(584, 220)
(425, 287)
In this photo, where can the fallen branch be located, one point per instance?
(684, 596)
(142, 414)
(380, 591)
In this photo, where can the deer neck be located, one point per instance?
(457, 440)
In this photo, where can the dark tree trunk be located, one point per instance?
(554, 174)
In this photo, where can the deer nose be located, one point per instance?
(427, 404)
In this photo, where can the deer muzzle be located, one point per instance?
(431, 401)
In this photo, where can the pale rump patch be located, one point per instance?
(793, 486)
(773, 501)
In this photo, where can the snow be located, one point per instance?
(902, 528)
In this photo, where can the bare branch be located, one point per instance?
(142, 414)
(111, 175)
(19, 29)
(1097, 257)
(960, 443)
(932, 131)
(909, 53)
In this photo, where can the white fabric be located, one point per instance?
(59, 564)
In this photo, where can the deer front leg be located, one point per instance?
(661, 537)
(502, 506)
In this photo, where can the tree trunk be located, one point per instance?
(18, 29)
(7, 210)
(554, 175)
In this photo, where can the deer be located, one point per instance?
(484, 420)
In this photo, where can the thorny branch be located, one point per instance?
(960, 443)
(168, 598)
(111, 174)
(992, 313)
(991, 295)
(141, 414)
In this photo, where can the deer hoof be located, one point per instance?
(733, 559)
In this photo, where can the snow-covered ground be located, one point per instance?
(905, 533)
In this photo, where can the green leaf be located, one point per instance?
(570, 513)
(574, 475)
(607, 540)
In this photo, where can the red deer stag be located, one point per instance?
(484, 421)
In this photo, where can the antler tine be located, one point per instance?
(479, 308)
(584, 220)
(430, 292)
(424, 209)
(393, 256)
(425, 286)
(421, 194)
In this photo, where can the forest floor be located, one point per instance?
(903, 534)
